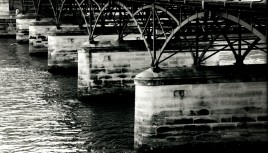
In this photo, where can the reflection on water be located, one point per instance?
(39, 111)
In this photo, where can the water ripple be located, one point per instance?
(39, 112)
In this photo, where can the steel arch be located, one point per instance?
(157, 7)
(244, 24)
(223, 15)
(132, 17)
(57, 14)
(84, 16)
(153, 7)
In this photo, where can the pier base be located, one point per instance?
(62, 48)
(38, 33)
(22, 26)
(185, 109)
(108, 69)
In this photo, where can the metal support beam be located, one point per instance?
(154, 62)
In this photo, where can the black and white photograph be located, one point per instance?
(133, 76)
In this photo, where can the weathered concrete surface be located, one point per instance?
(62, 48)
(22, 26)
(38, 33)
(7, 20)
(220, 107)
(7, 25)
(4, 7)
(108, 67)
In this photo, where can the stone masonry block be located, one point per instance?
(226, 119)
(104, 76)
(258, 101)
(203, 112)
(253, 109)
(179, 120)
(195, 102)
(251, 93)
(233, 101)
(98, 71)
(147, 129)
(253, 126)
(170, 113)
(97, 82)
(121, 65)
(232, 86)
(148, 121)
(212, 87)
(195, 127)
(243, 119)
(206, 119)
(222, 111)
(223, 127)
(93, 76)
(196, 111)
(208, 137)
(262, 118)
(115, 70)
(165, 129)
(221, 94)
(121, 76)
(112, 83)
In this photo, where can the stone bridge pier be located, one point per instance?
(22, 27)
(7, 19)
(38, 35)
(4, 7)
(63, 44)
(213, 108)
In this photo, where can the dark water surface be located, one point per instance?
(39, 111)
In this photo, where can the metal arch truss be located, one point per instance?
(215, 32)
(67, 10)
(89, 10)
(154, 23)
(60, 10)
(172, 29)
(203, 28)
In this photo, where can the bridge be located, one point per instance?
(162, 24)
(202, 62)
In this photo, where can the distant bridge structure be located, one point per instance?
(201, 27)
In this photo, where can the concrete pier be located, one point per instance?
(62, 48)
(108, 67)
(38, 33)
(7, 26)
(7, 20)
(4, 7)
(22, 25)
(182, 108)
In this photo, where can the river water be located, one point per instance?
(39, 111)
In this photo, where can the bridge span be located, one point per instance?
(164, 23)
